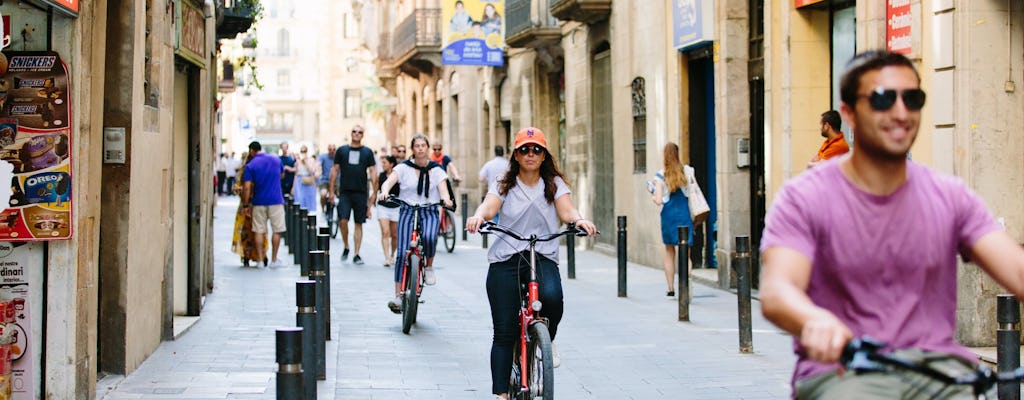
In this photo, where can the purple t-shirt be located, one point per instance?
(264, 171)
(884, 265)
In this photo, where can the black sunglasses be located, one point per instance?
(527, 149)
(882, 99)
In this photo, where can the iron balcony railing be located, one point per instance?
(521, 16)
(384, 47)
(421, 29)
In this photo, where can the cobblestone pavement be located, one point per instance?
(611, 348)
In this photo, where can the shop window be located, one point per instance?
(639, 126)
(353, 103)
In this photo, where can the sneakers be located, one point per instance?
(556, 360)
(395, 305)
(344, 254)
(276, 264)
(387, 263)
(357, 260)
(428, 276)
(670, 294)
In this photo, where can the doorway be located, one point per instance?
(702, 150)
(604, 167)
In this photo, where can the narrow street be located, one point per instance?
(611, 348)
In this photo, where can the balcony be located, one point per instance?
(530, 24)
(585, 11)
(234, 20)
(385, 62)
(416, 44)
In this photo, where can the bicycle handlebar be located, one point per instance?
(395, 199)
(863, 354)
(490, 226)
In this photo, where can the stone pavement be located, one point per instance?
(611, 348)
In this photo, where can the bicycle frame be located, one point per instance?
(526, 317)
(414, 248)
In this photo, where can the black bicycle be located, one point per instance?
(327, 207)
(533, 370)
(863, 355)
(446, 230)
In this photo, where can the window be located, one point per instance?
(353, 103)
(283, 42)
(639, 126)
(284, 78)
(349, 26)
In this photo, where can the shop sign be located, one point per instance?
(20, 273)
(69, 7)
(802, 3)
(898, 22)
(693, 23)
(190, 33)
(35, 148)
(472, 32)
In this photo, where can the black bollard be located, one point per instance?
(622, 255)
(323, 243)
(1008, 343)
(305, 318)
(683, 268)
(323, 230)
(570, 254)
(310, 232)
(289, 364)
(289, 227)
(743, 292)
(287, 223)
(296, 213)
(316, 273)
(465, 210)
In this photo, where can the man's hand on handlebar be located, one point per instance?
(824, 336)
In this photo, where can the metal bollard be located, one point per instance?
(742, 261)
(287, 223)
(323, 243)
(570, 255)
(683, 268)
(464, 198)
(289, 226)
(305, 317)
(297, 244)
(622, 255)
(1008, 343)
(323, 230)
(310, 232)
(316, 273)
(289, 364)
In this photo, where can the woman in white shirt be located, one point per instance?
(420, 181)
(531, 198)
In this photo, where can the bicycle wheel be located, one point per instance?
(515, 380)
(448, 233)
(410, 300)
(540, 364)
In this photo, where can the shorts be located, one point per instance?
(390, 214)
(260, 215)
(352, 204)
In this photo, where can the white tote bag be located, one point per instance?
(699, 208)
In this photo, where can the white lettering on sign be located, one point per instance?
(42, 179)
(899, 3)
(46, 62)
(897, 21)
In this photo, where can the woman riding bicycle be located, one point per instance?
(420, 181)
(532, 198)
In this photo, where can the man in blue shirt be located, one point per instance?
(288, 176)
(326, 161)
(262, 198)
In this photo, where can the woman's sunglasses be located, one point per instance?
(535, 149)
(882, 99)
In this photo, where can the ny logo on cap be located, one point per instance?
(529, 132)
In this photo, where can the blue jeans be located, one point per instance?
(503, 280)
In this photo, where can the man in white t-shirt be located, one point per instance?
(494, 169)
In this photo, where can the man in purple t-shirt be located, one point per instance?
(866, 244)
(262, 198)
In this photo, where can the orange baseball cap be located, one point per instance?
(531, 135)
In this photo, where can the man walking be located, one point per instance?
(232, 164)
(326, 161)
(354, 167)
(222, 174)
(262, 198)
(288, 176)
(835, 143)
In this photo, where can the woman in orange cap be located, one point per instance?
(532, 198)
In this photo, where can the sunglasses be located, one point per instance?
(535, 149)
(882, 99)
(357, 131)
(437, 149)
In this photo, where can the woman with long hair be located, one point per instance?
(669, 193)
(420, 181)
(306, 174)
(532, 198)
(387, 214)
(243, 240)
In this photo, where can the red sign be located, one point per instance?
(68, 6)
(801, 3)
(898, 21)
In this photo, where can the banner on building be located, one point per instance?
(69, 7)
(802, 3)
(693, 23)
(20, 274)
(899, 19)
(35, 147)
(472, 32)
(190, 33)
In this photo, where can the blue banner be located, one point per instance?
(473, 32)
(693, 23)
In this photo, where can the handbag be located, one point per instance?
(308, 180)
(699, 208)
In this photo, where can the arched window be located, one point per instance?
(639, 126)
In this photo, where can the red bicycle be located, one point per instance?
(533, 371)
(415, 261)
